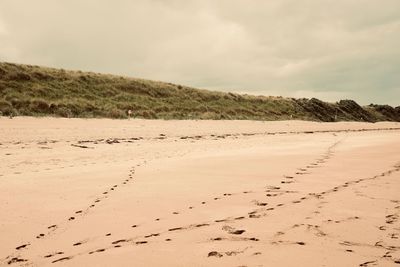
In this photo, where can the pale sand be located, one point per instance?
(208, 193)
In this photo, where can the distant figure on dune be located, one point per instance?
(129, 113)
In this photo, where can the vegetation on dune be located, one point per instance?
(39, 91)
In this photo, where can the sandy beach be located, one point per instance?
(100, 192)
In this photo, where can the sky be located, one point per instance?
(328, 49)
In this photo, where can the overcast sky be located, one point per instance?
(329, 49)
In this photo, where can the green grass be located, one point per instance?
(39, 91)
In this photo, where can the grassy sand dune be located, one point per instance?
(39, 91)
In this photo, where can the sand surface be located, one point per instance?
(101, 192)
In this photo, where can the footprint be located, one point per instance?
(201, 225)
(52, 255)
(366, 263)
(22, 246)
(261, 204)
(214, 254)
(98, 250)
(61, 259)
(119, 241)
(233, 231)
(151, 235)
(175, 229)
(15, 259)
(40, 236)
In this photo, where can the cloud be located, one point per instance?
(328, 49)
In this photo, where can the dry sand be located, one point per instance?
(101, 192)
